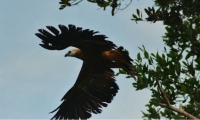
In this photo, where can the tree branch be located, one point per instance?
(163, 93)
(180, 111)
(169, 106)
(126, 5)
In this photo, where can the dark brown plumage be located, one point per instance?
(95, 86)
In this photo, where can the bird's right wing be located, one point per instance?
(86, 40)
(94, 88)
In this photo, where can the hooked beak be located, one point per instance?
(66, 54)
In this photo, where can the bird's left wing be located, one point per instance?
(94, 88)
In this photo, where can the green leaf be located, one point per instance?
(139, 57)
(147, 12)
(128, 76)
(188, 55)
(165, 49)
(178, 68)
(150, 61)
(117, 74)
(138, 12)
(121, 71)
(184, 101)
(153, 55)
(141, 49)
(62, 7)
(146, 55)
(134, 16)
(154, 102)
(145, 68)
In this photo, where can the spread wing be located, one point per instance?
(86, 40)
(94, 88)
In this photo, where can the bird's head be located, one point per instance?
(75, 52)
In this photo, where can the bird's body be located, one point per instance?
(95, 85)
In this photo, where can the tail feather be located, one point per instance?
(127, 62)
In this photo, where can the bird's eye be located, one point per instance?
(69, 52)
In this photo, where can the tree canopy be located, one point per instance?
(172, 75)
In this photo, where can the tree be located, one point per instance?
(172, 75)
(114, 4)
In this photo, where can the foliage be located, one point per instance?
(114, 4)
(176, 68)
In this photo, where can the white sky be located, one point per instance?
(33, 79)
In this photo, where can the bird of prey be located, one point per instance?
(95, 86)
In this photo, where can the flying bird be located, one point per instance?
(95, 86)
